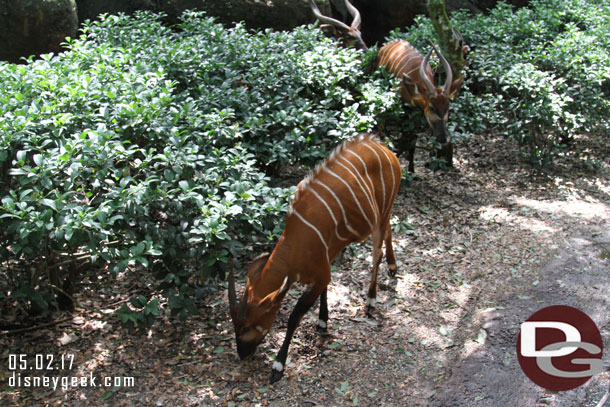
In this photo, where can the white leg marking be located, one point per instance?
(278, 366)
(371, 302)
(321, 324)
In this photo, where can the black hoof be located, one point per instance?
(275, 375)
(322, 327)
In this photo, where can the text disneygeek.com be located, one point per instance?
(17, 380)
(45, 371)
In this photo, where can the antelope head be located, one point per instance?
(433, 100)
(253, 316)
(351, 34)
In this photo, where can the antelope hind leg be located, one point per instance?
(371, 300)
(389, 252)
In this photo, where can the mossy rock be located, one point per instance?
(34, 27)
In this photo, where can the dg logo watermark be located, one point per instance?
(560, 348)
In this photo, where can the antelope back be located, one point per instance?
(403, 60)
(346, 198)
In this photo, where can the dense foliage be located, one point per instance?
(146, 149)
(540, 74)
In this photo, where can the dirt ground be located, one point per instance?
(479, 250)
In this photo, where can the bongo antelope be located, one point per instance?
(417, 87)
(346, 199)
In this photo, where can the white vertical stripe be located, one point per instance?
(353, 194)
(396, 57)
(366, 171)
(399, 50)
(347, 225)
(393, 60)
(330, 211)
(391, 51)
(385, 152)
(365, 180)
(380, 172)
(365, 191)
(315, 229)
(404, 62)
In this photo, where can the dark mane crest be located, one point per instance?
(338, 152)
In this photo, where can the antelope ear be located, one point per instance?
(257, 266)
(278, 295)
(455, 86)
(420, 102)
(330, 31)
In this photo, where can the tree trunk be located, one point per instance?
(449, 40)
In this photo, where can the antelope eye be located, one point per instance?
(250, 335)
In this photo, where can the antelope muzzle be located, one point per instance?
(440, 133)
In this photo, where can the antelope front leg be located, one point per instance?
(411, 159)
(303, 305)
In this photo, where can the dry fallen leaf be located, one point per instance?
(67, 339)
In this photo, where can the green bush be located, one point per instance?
(281, 95)
(539, 74)
(143, 149)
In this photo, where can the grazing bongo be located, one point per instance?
(417, 88)
(346, 199)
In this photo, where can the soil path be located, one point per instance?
(578, 276)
